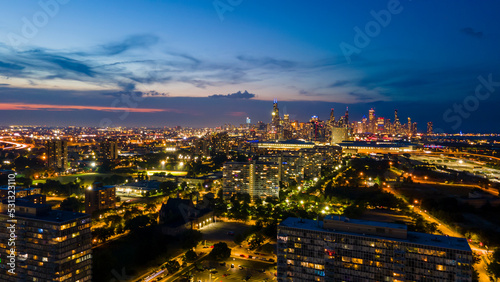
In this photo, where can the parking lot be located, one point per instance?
(254, 270)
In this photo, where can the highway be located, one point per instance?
(15, 145)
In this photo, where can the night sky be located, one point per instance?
(206, 63)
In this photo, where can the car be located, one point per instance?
(257, 253)
(205, 247)
(270, 260)
(247, 277)
(222, 263)
(213, 271)
(240, 267)
(264, 259)
(232, 265)
(225, 275)
(242, 255)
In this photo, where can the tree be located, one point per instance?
(190, 239)
(190, 256)
(255, 241)
(238, 239)
(220, 251)
(103, 233)
(70, 204)
(137, 222)
(172, 266)
(493, 268)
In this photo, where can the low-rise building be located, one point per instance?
(99, 197)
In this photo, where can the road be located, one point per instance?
(16, 145)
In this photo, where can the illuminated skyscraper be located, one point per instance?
(248, 122)
(397, 123)
(109, 150)
(346, 119)
(371, 121)
(275, 114)
(332, 118)
(57, 154)
(380, 125)
(429, 127)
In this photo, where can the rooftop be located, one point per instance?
(45, 213)
(413, 237)
(366, 222)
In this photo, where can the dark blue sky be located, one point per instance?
(71, 62)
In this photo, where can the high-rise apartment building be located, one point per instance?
(57, 154)
(50, 245)
(258, 179)
(109, 150)
(339, 249)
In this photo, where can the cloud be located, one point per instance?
(237, 95)
(339, 83)
(131, 42)
(10, 66)
(470, 31)
(268, 62)
(306, 93)
(237, 114)
(154, 94)
(52, 107)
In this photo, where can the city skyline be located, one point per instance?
(211, 63)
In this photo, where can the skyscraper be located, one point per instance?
(371, 121)
(429, 128)
(332, 118)
(397, 123)
(57, 154)
(109, 150)
(275, 114)
(346, 119)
